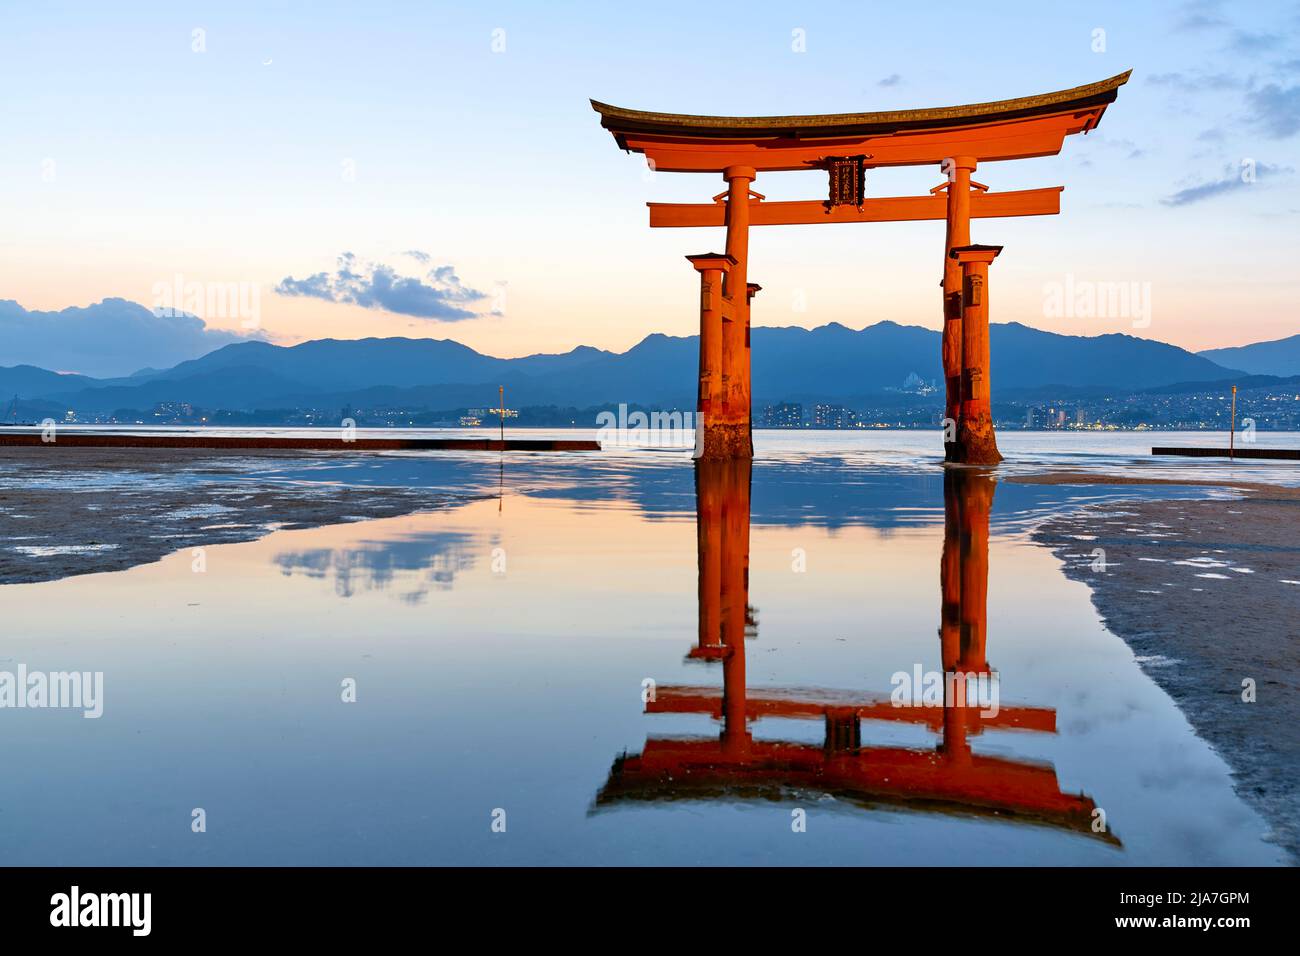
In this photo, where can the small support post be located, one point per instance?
(950, 571)
(1232, 426)
(712, 267)
(976, 442)
(843, 730)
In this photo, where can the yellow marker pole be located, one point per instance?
(502, 390)
(1232, 426)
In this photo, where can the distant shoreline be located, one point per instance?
(533, 426)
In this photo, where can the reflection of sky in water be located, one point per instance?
(520, 689)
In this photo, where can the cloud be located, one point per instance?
(1272, 108)
(107, 339)
(1244, 42)
(438, 294)
(893, 79)
(1197, 82)
(1199, 15)
(1131, 149)
(1235, 178)
(1275, 109)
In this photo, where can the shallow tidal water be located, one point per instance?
(501, 651)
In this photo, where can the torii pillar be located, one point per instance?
(711, 398)
(724, 403)
(734, 429)
(976, 442)
(957, 234)
(964, 582)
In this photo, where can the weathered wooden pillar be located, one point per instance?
(733, 479)
(709, 533)
(735, 427)
(976, 493)
(977, 444)
(711, 441)
(958, 169)
(964, 576)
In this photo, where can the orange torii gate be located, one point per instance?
(956, 138)
(950, 776)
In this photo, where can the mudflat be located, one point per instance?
(1207, 594)
(90, 510)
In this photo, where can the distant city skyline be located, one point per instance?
(436, 171)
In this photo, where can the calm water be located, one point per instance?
(501, 651)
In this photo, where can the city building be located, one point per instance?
(784, 415)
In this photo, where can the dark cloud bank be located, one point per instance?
(110, 338)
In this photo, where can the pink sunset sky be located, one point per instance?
(451, 155)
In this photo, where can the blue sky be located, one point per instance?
(302, 132)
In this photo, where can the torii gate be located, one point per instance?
(956, 138)
(950, 776)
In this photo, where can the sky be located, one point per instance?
(435, 170)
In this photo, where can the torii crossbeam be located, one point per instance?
(846, 145)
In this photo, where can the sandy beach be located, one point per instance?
(1207, 594)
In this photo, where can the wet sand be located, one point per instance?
(1207, 594)
(102, 509)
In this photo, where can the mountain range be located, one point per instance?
(831, 363)
(1279, 357)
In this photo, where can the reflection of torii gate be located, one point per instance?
(957, 138)
(950, 776)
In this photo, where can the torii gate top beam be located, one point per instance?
(1004, 129)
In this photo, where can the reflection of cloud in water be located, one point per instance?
(416, 562)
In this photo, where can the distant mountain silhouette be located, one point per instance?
(234, 387)
(28, 381)
(1224, 386)
(1279, 357)
(831, 363)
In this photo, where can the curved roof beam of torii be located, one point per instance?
(1004, 129)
